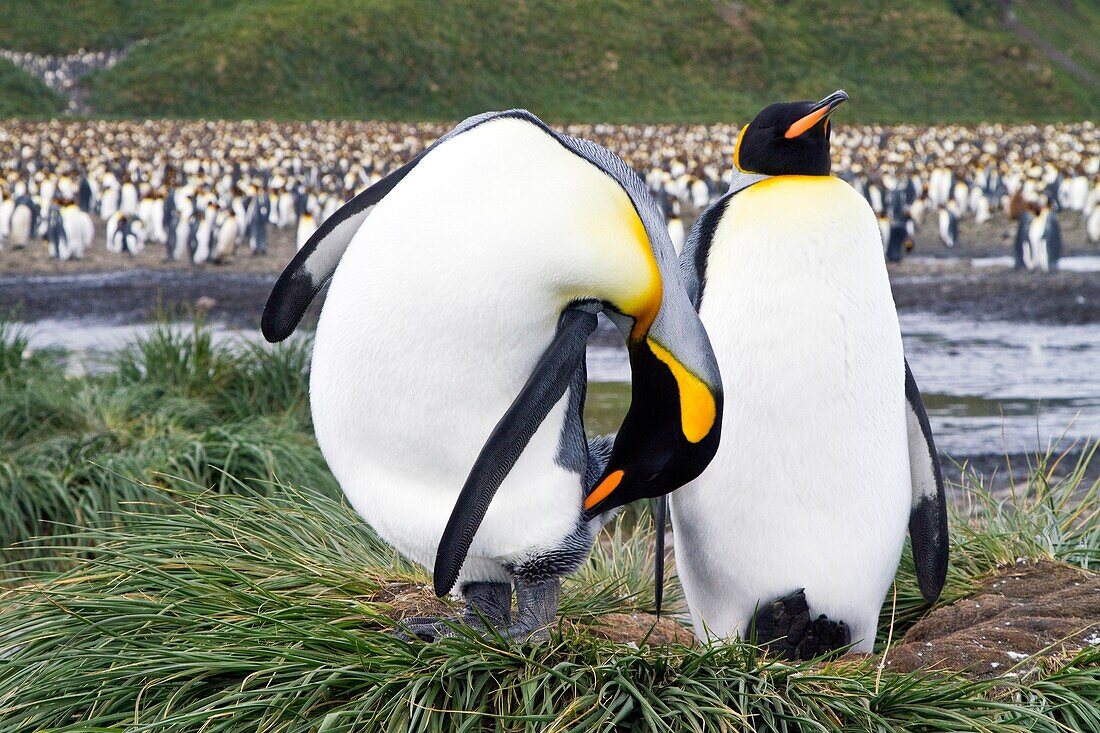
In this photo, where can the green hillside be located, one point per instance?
(21, 95)
(615, 60)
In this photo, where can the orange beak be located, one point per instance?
(820, 111)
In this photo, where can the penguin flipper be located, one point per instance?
(544, 388)
(928, 515)
(314, 264)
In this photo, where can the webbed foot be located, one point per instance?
(485, 603)
(785, 628)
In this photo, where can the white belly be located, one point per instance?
(810, 487)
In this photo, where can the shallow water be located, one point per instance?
(991, 388)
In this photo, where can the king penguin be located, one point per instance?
(448, 364)
(793, 534)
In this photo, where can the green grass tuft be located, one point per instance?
(182, 582)
(174, 411)
(254, 612)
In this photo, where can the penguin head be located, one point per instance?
(789, 138)
(673, 427)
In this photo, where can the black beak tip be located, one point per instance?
(834, 100)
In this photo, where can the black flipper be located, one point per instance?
(660, 518)
(545, 386)
(314, 264)
(928, 516)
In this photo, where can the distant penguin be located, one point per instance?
(794, 532)
(128, 199)
(204, 235)
(108, 204)
(949, 225)
(981, 208)
(884, 230)
(172, 243)
(79, 231)
(56, 242)
(116, 235)
(1092, 225)
(7, 206)
(306, 227)
(1045, 240)
(916, 211)
(1021, 246)
(700, 194)
(258, 221)
(226, 238)
(401, 421)
(21, 229)
(85, 197)
(676, 233)
(899, 242)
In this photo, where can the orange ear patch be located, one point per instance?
(604, 490)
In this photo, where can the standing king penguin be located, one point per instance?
(448, 365)
(794, 532)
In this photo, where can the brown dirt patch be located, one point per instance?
(640, 628)
(1021, 611)
(406, 600)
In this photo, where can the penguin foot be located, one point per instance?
(486, 603)
(785, 628)
(430, 628)
(536, 609)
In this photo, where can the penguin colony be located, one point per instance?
(179, 185)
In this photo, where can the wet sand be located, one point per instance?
(235, 294)
(130, 289)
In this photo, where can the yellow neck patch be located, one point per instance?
(647, 303)
(697, 408)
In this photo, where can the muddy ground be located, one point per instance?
(1021, 611)
(131, 289)
(1018, 615)
(135, 295)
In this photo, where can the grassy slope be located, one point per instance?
(1072, 26)
(21, 95)
(617, 60)
(257, 606)
(63, 26)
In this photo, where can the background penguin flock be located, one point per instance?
(264, 176)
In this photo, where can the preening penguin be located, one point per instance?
(794, 531)
(448, 366)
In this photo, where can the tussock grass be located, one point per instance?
(173, 411)
(254, 612)
(184, 582)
